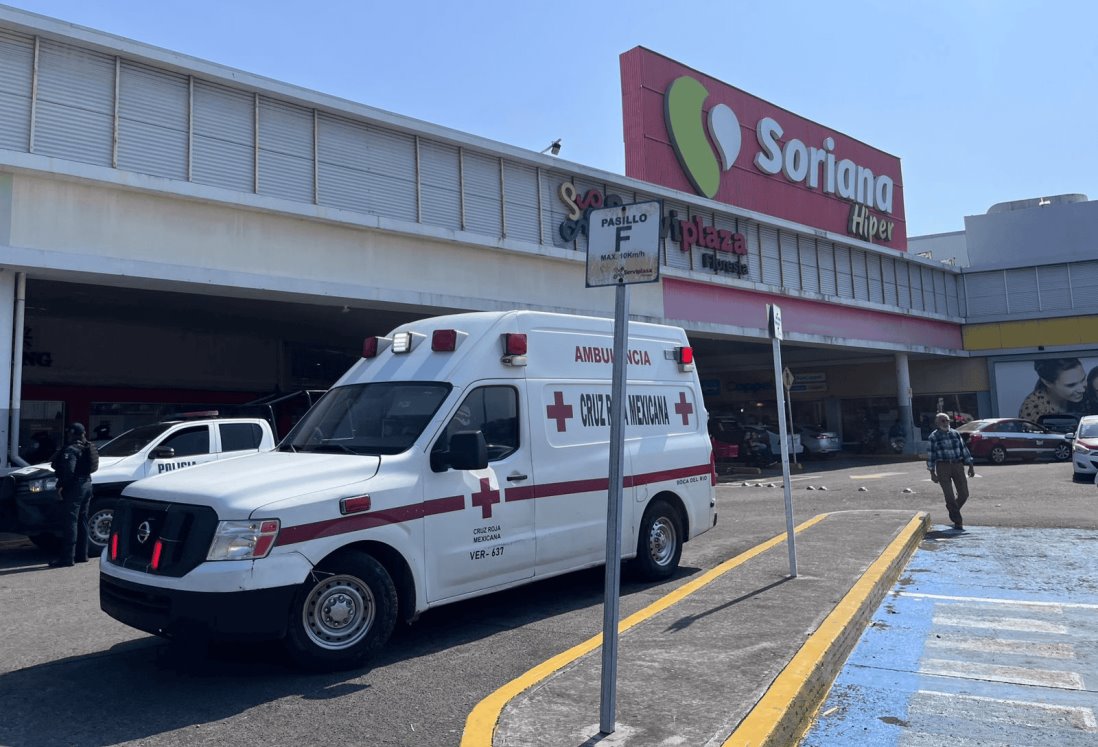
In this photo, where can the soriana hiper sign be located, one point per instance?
(687, 131)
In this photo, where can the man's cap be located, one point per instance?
(77, 429)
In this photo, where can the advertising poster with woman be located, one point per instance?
(1047, 386)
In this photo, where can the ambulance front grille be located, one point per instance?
(181, 532)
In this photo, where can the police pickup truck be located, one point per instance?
(29, 503)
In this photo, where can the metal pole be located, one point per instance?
(783, 436)
(608, 703)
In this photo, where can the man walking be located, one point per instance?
(75, 487)
(947, 456)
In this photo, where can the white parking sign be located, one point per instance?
(623, 245)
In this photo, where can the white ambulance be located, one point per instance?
(462, 455)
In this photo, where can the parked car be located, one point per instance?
(734, 432)
(1000, 439)
(725, 437)
(775, 440)
(28, 497)
(1085, 449)
(820, 442)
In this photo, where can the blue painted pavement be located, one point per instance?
(990, 638)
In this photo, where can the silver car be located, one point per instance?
(820, 442)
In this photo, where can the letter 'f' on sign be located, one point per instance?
(620, 236)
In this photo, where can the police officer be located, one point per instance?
(75, 490)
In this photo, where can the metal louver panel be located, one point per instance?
(825, 254)
(74, 116)
(903, 285)
(873, 271)
(861, 278)
(791, 260)
(152, 121)
(1054, 286)
(771, 261)
(1084, 284)
(673, 253)
(440, 183)
(391, 173)
(928, 289)
(810, 273)
(888, 279)
(1021, 287)
(986, 293)
(842, 272)
(224, 125)
(916, 277)
(16, 68)
(482, 194)
(342, 154)
(285, 150)
(953, 300)
(750, 231)
(940, 298)
(520, 190)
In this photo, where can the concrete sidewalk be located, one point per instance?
(742, 654)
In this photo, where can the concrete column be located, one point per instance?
(903, 397)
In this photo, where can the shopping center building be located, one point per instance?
(178, 234)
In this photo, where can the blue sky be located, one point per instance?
(984, 101)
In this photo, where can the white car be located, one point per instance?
(1084, 452)
(820, 442)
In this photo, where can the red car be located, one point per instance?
(725, 436)
(999, 439)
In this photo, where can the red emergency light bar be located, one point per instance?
(684, 356)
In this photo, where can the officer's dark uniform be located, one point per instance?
(76, 495)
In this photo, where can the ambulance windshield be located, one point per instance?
(372, 419)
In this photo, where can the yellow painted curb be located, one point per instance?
(785, 711)
(480, 726)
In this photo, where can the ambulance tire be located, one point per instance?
(343, 613)
(659, 544)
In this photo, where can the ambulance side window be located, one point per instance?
(493, 410)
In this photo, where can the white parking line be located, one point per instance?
(1006, 646)
(992, 600)
(876, 475)
(971, 670)
(934, 702)
(1017, 624)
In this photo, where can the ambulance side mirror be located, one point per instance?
(468, 450)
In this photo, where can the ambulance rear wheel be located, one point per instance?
(343, 613)
(659, 545)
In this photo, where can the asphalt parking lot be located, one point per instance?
(120, 686)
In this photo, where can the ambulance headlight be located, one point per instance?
(42, 485)
(243, 540)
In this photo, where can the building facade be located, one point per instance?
(174, 233)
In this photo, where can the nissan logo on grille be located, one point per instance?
(144, 531)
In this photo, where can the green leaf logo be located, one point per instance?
(685, 124)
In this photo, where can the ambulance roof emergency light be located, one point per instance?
(404, 342)
(684, 356)
(372, 346)
(514, 349)
(447, 340)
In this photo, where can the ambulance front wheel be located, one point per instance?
(659, 545)
(343, 613)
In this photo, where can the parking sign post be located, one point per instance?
(622, 248)
(774, 313)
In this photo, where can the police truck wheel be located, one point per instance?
(659, 545)
(99, 524)
(343, 613)
(997, 455)
(1062, 453)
